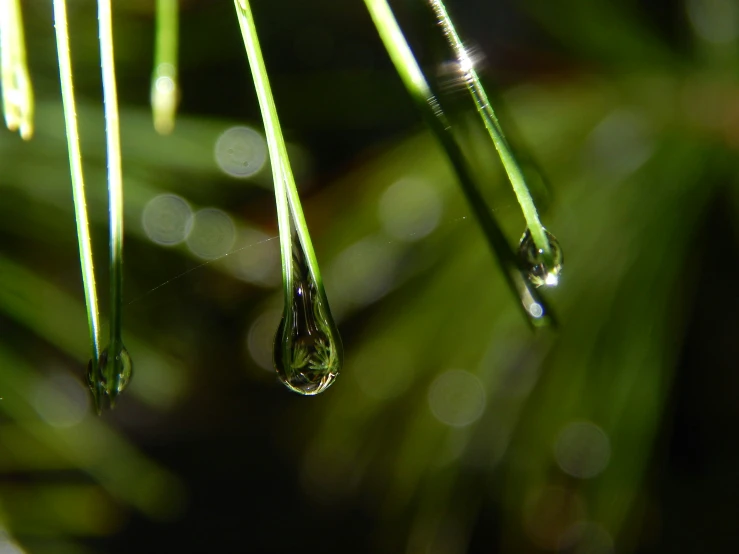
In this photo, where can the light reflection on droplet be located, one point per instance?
(537, 269)
(457, 398)
(410, 209)
(261, 337)
(388, 379)
(241, 152)
(586, 537)
(716, 21)
(536, 310)
(164, 97)
(61, 401)
(213, 234)
(164, 85)
(167, 219)
(582, 449)
(256, 258)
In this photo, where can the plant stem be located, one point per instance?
(17, 90)
(78, 185)
(273, 131)
(115, 178)
(164, 86)
(485, 109)
(286, 192)
(410, 73)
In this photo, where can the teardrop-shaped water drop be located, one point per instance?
(111, 376)
(116, 370)
(307, 352)
(94, 381)
(533, 262)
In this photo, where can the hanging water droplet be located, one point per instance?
(94, 382)
(307, 352)
(110, 377)
(116, 370)
(533, 261)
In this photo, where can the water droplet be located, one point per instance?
(110, 376)
(307, 353)
(94, 382)
(533, 261)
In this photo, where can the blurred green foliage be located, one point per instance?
(453, 427)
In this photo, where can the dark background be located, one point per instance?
(614, 433)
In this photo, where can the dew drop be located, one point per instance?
(307, 352)
(95, 383)
(534, 264)
(110, 376)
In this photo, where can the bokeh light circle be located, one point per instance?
(582, 449)
(256, 258)
(213, 234)
(241, 152)
(716, 21)
(457, 398)
(549, 514)
(361, 274)
(410, 209)
(167, 219)
(61, 400)
(391, 377)
(586, 537)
